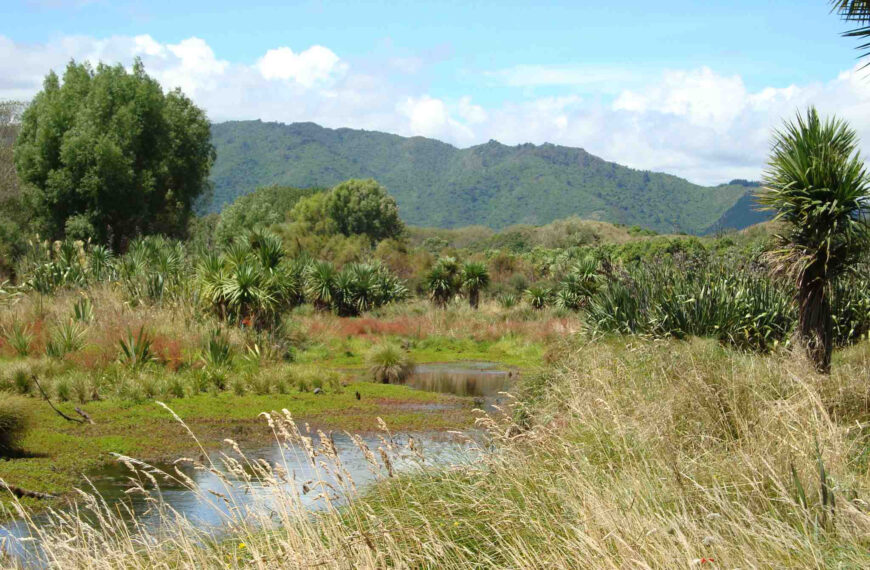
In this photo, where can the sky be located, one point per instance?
(690, 88)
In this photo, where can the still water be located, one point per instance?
(484, 381)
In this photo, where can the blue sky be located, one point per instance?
(692, 88)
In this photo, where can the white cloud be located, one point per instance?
(695, 123)
(431, 118)
(471, 113)
(316, 65)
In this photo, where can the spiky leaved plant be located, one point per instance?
(538, 296)
(475, 278)
(320, 283)
(817, 185)
(442, 281)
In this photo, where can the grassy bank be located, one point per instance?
(629, 453)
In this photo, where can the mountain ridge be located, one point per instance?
(493, 184)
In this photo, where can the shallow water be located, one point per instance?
(112, 483)
(484, 380)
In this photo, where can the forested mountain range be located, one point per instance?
(439, 185)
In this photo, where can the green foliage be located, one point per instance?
(364, 207)
(262, 208)
(66, 338)
(19, 337)
(389, 363)
(438, 185)
(475, 278)
(121, 157)
(735, 305)
(817, 185)
(443, 281)
(136, 350)
(360, 287)
(14, 422)
(578, 285)
(538, 296)
(83, 310)
(508, 300)
(217, 352)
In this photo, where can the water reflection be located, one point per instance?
(473, 379)
(209, 506)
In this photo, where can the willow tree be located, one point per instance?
(817, 185)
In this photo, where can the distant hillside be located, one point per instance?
(744, 213)
(436, 184)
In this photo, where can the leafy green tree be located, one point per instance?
(106, 154)
(818, 187)
(310, 216)
(12, 217)
(475, 278)
(364, 207)
(260, 209)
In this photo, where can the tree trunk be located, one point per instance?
(815, 326)
(474, 298)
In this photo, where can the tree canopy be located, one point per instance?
(364, 207)
(11, 215)
(352, 208)
(261, 208)
(106, 154)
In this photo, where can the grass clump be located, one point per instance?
(389, 363)
(14, 422)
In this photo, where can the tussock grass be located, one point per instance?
(389, 363)
(630, 453)
(14, 422)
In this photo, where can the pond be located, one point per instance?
(206, 510)
(484, 381)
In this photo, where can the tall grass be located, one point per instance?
(639, 454)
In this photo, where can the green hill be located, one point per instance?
(436, 184)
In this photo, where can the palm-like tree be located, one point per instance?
(441, 284)
(858, 13)
(817, 184)
(475, 278)
(320, 283)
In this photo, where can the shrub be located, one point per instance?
(83, 310)
(389, 363)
